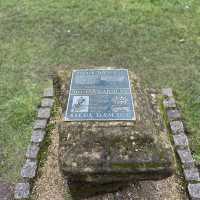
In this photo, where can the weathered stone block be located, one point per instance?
(177, 127)
(32, 151)
(22, 191)
(47, 102)
(169, 103)
(194, 191)
(186, 158)
(103, 152)
(191, 174)
(48, 92)
(29, 169)
(167, 92)
(44, 113)
(37, 136)
(180, 141)
(173, 115)
(40, 124)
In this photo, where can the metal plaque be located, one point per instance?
(100, 94)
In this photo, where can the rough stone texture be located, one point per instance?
(22, 191)
(177, 127)
(103, 152)
(169, 103)
(37, 136)
(186, 158)
(44, 113)
(180, 141)
(191, 174)
(32, 151)
(40, 124)
(29, 169)
(48, 92)
(194, 191)
(167, 92)
(173, 115)
(6, 191)
(47, 102)
(49, 185)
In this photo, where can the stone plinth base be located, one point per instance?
(100, 153)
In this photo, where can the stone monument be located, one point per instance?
(111, 131)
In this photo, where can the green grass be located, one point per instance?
(158, 39)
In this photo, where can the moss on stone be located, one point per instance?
(130, 149)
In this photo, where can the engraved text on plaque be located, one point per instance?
(100, 94)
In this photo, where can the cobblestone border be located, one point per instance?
(29, 169)
(190, 171)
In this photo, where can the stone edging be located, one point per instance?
(29, 169)
(190, 171)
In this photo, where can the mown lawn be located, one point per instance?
(158, 39)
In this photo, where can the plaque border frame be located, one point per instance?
(99, 120)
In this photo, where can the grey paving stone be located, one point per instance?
(173, 115)
(177, 127)
(191, 174)
(186, 158)
(167, 92)
(169, 103)
(6, 191)
(47, 102)
(180, 141)
(44, 113)
(22, 191)
(37, 136)
(32, 151)
(48, 92)
(40, 124)
(194, 191)
(29, 169)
